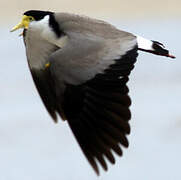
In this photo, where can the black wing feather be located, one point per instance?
(44, 86)
(98, 111)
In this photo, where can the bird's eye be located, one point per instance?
(31, 18)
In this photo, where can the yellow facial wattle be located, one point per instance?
(24, 23)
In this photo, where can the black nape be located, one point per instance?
(55, 26)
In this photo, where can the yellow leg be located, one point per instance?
(47, 65)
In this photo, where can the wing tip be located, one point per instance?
(54, 116)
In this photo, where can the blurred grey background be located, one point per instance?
(32, 147)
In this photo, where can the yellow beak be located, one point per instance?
(23, 24)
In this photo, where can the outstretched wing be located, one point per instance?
(90, 77)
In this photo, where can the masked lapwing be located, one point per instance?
(80, 67)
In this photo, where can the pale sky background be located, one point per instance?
(96, 8)
(32, 147)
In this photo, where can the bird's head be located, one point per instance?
(30, 16)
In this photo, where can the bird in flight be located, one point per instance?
(81, 67)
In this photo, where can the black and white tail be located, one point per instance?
(153, 47)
